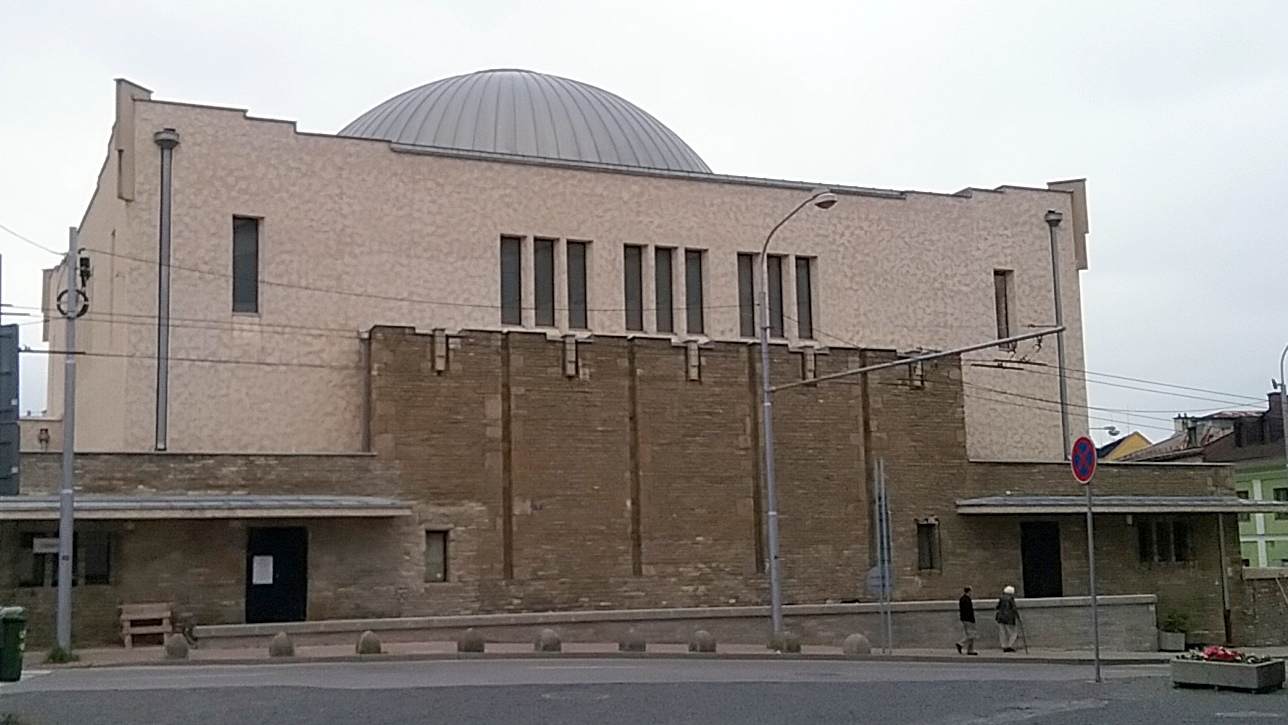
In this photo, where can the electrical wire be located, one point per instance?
(33, 242)
(205, 360)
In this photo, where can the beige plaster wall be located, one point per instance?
(413, 240)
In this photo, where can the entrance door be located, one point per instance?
(1040, 557)
(277, 584)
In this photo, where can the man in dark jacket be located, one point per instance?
(1008, 615)
(966, 612)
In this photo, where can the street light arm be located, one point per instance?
(764, 247)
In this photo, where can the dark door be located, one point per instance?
(277, 582)
(1040, 557)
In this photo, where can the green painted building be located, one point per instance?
(1264, 536)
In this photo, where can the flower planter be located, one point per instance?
(1260, 677)
(1171, 641)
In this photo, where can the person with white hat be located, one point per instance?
(1008, 616)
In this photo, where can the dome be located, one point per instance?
(524, 113)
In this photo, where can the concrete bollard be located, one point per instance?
(470, 641)
(702, 642)
(547, 641)
(281, 646)
(787, 643)
(856, 645)
(369, 644)
(176, 647)
(631, 642)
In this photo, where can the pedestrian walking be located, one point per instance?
(1008, 616)
(966, 612)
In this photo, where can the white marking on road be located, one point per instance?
(587, 667)
(1251, 714)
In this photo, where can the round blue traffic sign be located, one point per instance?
(1082, 458)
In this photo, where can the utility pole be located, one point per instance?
(1283, 401)
(66, 495)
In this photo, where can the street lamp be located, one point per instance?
(822, 199)
(1283, 401)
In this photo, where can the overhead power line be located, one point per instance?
(33, 242)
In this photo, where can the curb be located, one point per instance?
(723, 656)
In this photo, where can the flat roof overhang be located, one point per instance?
(1020, 505)
(134, 508)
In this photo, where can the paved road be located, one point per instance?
(622, 691)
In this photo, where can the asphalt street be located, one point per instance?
(622, 691)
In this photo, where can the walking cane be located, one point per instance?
(1023, 636)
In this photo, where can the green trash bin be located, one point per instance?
(13, 642)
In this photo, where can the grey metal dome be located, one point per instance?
(524, 113)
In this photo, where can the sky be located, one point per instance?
(1175, 112)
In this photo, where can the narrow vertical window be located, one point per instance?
(96, 557)
(662, 259)
(1243, 517)
(1163, 541)
(804, 298)
(747, 295)
(1281, 496)
(1145, 539)
(1182, 548)
(245, 264)
(1002, 304)
(511, 281)
(693, 290)
(776, 296)
(435, 556)
(928, 545)
(634, 286)
(577, 285)
(543, 281)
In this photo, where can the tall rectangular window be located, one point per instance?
(1145, 539)
(245, 264)
(543, 281)
(693, 290)
(577, 285)
(776, 295)
(511, 281)
(1244, 496)
(634, 286)
(1002, 304)
(435, 556)
(928, 545)
(1281, 496)
(805, 298)
(662, 259)
(747, 295)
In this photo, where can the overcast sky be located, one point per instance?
(1174, 112)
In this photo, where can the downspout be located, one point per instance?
(167, 139)
(1225, 584)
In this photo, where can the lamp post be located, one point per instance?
(1053, 219)
(1283, 401)
(823, 199)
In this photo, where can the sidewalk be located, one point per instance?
(411, 651)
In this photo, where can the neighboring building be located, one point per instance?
(1118, 449)
(510, 200)
(1253, 442)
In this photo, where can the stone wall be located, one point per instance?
(1126, 625)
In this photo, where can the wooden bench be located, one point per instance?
(137, 619)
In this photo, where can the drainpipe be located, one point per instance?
(167, 139)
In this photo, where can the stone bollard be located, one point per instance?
(176, 647)
(787, 643)
(368, 644)
(547, 641)
(470, 641)
(856, 645)
(281, 646)
(631, 642)
(702, 642)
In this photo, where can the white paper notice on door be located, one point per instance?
(261, 570)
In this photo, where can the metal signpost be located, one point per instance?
(1082, 459)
